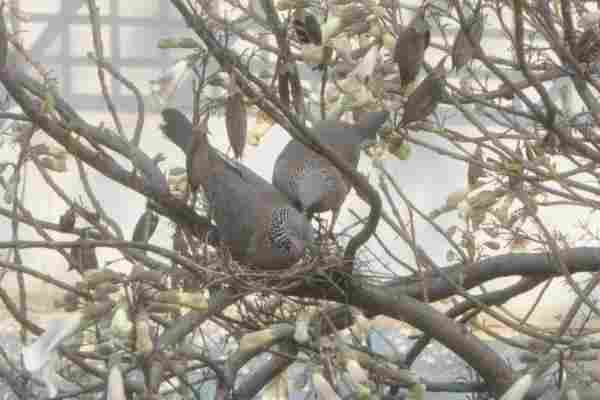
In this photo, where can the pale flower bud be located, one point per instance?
(357, 373)
(260, 128)
(519, 389)
(115, 388)
(389, 42)
(455, 198)
(120, 324)
(255, 340)
(143, 337)
(323, 388)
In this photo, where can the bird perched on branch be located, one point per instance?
(410, 48)
(311, 182)
(254, 220)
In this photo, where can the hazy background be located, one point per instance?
(59, 36)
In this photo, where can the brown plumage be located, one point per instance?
(462, 49)
(423, 101)
(254, 220)
(410, 48)
(311, 182)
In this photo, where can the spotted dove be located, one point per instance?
(312, 183)
(254, 220)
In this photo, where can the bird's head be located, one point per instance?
(312, 186)
(291, 232)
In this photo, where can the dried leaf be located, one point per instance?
(297, 92)
(454, 198)
(492, 232)
(197, 160)
(84, 256)
(283, 85)
(67, 220)
(236, 122)
(492, 245)
(54, 164)
(475, 171)
(411, 44)
(425, 98)
(145, 227)
(462, 49)
(92, 279)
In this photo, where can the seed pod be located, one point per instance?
(84, 257)
(475, 171)
(297, 93)
(424, 100)
(462, 49)
(139, 273)
(95, 278)
(410, 48)
(145, 227)
(197, 162)
(283, 84)
(54, 164)
(236, 122)
(67, 220)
